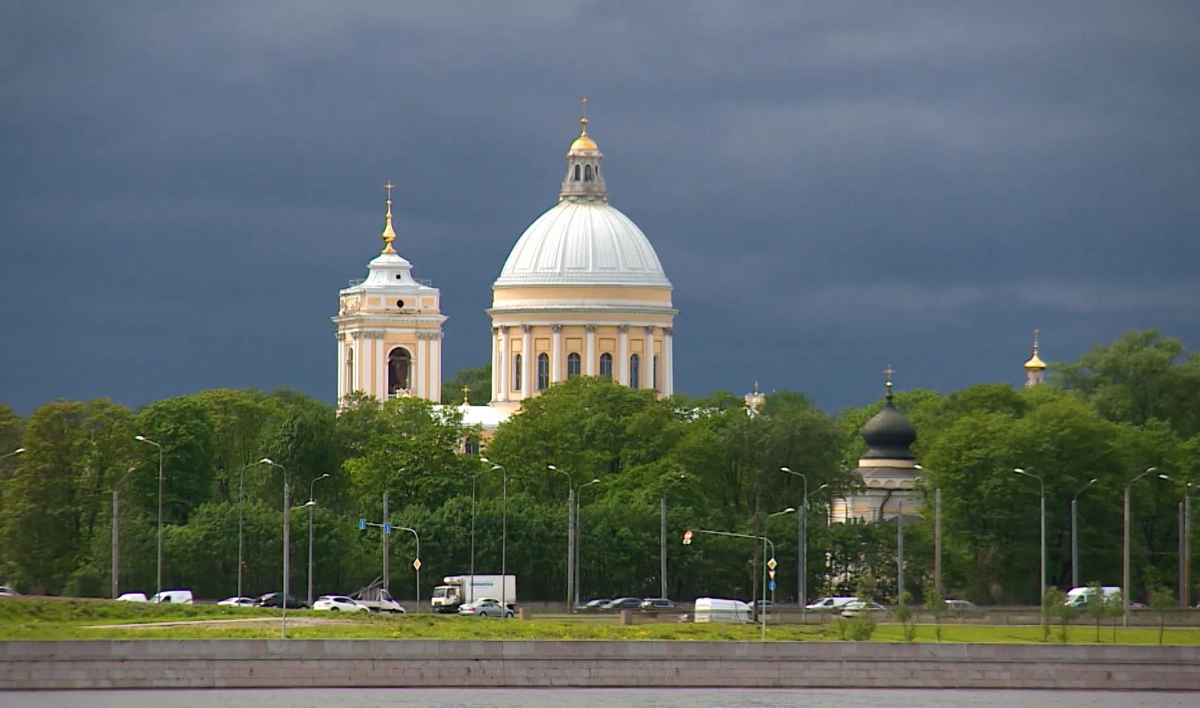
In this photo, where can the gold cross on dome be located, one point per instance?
(465, 390)
(389, 187)
(888, 375)
(583, 107)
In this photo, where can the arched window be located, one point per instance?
(543, 372)
(655, 365)
(516, 372)
(635, 371)
(573, 365)
(606, 365)
(576, 173)
(399, 365)
(587, 173)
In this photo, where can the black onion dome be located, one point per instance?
(888, 434)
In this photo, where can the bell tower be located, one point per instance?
(389, 329)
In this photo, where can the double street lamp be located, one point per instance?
(802, 539)
(311, 505)
(570, 530)
(579, 533)
(148, 441)
(1125, 545)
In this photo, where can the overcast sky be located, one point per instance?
(831, 186)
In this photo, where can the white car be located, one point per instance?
(6, 590)
(236, 601)
(338, 603)
(487, 607)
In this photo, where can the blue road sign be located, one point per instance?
(387, 528)
(362, 524)
(771, 586)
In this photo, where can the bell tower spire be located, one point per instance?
(388, 234)
(583, 180)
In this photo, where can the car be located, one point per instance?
(7, 590)
(962, 607)
(853, 609)
(275, 599)
(594, 605)
(486, 607)
(338, 603)
(238, 601)
(830, 604)
(622, 603)
(178, 597)
(132, 597)
(657, 604)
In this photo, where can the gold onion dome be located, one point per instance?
(1035, 362)
(583, 142)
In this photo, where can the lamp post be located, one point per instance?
(311, 504)
(18, 451)
(1075, 535)
(503, 536)
(801, 542)
(570, 532)
(1185, 550)
(287, 500)
(158, 576)
(937, 536)
(387, 562)
(473, 476)
(1042, 574)
(116, 536)
(788, 510)
(416, 561)
(1125, 547)
(687, 539)
(662, 536)
(579, 532)
(241, 504)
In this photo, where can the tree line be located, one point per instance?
(1118, 410)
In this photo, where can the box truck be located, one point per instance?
(460, 589)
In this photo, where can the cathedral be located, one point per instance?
(581, 293)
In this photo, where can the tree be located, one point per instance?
(935, 605)
(1095, 607)
(1162, 602)
(904, 616)
(183, 427)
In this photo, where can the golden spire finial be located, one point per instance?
(388, 234)
(1035, 346)
(583, 115)
(465, 390)
(887, 380)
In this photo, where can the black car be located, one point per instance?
(622, 603)
(275, 599)
(593, 605)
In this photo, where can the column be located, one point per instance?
(435, 366)
(341, 365)
(589, 366)
(527, 362)
(379, 369)
(622, 361)
(495, 364)
(668, 362)
(648, 359)
(358, 360)
(556, 355)
(422, 386)
(504, 363)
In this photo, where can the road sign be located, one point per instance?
(387, 528)
(771, 564)
(771, 573)
(362, 524)
(687, 537)
(417, 564)
(771, 586)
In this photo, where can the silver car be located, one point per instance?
(487, 607)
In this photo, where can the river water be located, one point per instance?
(595, 698)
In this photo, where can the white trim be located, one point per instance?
(623, 356)
(435, 370)
(589, 366)
(526, 366)
(668, 363)
(582, 303)
(379, 371)
(556, 357)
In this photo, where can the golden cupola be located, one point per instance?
(1035, 368)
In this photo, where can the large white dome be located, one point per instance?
(583, 242)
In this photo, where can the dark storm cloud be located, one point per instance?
(831, 186)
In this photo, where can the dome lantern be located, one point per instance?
(583, 180)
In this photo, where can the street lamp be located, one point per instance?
(570, 532)
(687, 539)
(241, 504)
(18, 451)
(1185, 543)
(311, 504)
(1042, 575)
(662, 535)
(143, 438)
(287, 514)
(1125, 546)
(1075, 535)
(416, 561)
(503, 536)
(579, 532)
(387, 563)
(801, 541)
(116, 534)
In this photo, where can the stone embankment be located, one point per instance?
(233, 663)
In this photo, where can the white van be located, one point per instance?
(132, 597)
(831, 604)
(712, 609)
(178, 597)
(1079, 597)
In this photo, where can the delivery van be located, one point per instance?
(713, 609)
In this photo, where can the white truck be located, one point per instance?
(376, 599)
(461, 589)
